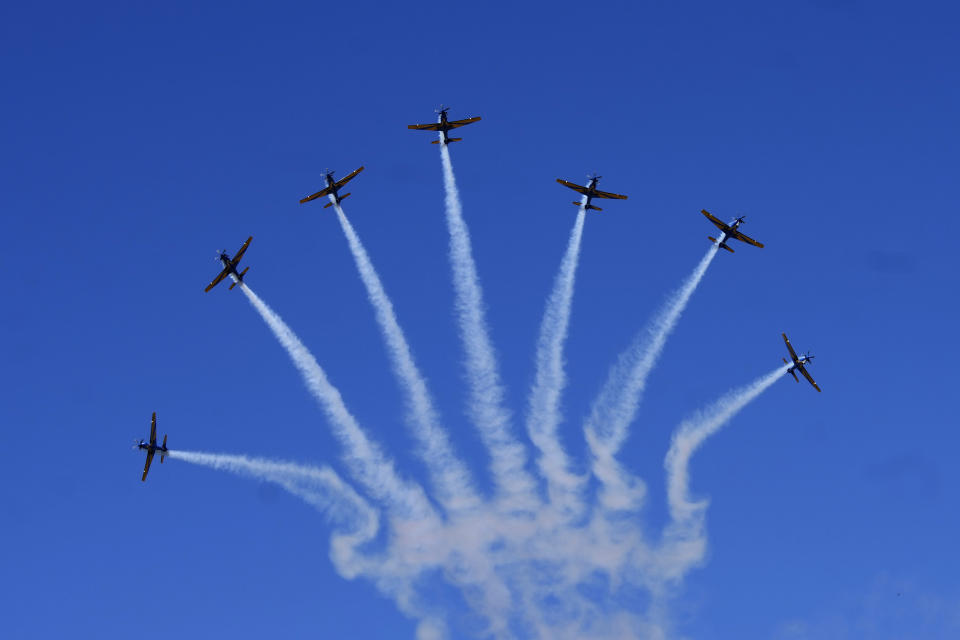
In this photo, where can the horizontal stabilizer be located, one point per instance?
(454, 140)
(722, 246)
(434, 142)
(164, 441)
(239, 277)
(328, 205)
(589, 206)
(794, 374)
(344, 196)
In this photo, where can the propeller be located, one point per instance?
(442, 109)
(594, 176)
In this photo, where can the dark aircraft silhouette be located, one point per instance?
(798, 362)
(230, 266)
(333, 186)
(443, 125)
(729, 231)
(152, 447)
(591, 192)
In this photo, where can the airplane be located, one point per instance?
(152, 447)
(591, 192)
(798, 362)
(443, 125)
(333, 186)
(729, 231)
(230, 266)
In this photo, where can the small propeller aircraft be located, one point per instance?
(798, 362)
(333, 186)
(152, 447)
(230, 266)
(443, 125)
(591, 192)
(729, 231)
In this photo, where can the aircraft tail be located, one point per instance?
(794, 374)
(722, 245)
(344, 196)
(239, 278)
(449, 140)
(163, 453)
(434, 142)
(328, 205)
(589, 206)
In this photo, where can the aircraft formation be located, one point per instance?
(728, 231)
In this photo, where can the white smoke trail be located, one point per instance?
(364, 457)
(323, 489)
(550, 379)
(616, 406)
(451, 477)
(319, 486)
(486, 393)
(693, 431)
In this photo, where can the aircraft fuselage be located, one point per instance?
(725, 233)
(591, 191)
(146, 446)
(332, 185)
(228, 265)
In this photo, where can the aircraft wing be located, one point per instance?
(793, 354)
(720, 223)
(607, 194)
(435, 126)
(243, 250)
(745, 238)
(146, 467)
(453, 124)
(575, 187)
(153, 429)
(807, 376)
(316, 195)
(348, 178)
(216, 281)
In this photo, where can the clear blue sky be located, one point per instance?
(138, 141)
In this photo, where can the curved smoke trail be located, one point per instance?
(486, 392)
(318, 486)
(364, 457)
(550, 379)
(616, 406)
(692, 432)
(450, 476)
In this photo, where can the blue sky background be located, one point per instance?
(139, 140)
